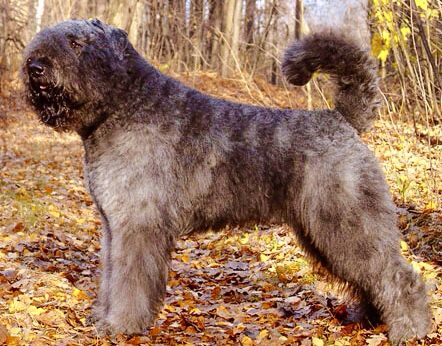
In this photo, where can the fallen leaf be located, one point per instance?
(317, 342)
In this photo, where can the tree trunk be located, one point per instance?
(250, 20)
(230, 39)
(79, 9)
(226, 38)
(346, 16)
(215, 27)
(134, 32)
(196, 32)
(177, 23)
(120, 13)
(299, 13)
(236, 31)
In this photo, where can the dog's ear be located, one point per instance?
(120, 41)
(97, 24)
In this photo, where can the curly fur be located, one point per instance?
(163, 160)
(354, 71)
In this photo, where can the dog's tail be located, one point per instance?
(352, 68)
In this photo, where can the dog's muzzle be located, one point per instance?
(38, 74)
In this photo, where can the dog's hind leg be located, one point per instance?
(348, 215)
(366, 313)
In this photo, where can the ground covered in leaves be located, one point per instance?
(237, 287)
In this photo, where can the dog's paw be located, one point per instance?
(98, 313)
(103, 327)
(113, 326)
(406, 330)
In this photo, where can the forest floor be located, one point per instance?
(248, 287)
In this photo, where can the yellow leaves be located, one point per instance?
(55, 214)
(427, 270)
(246, 341)
(394, 30)
(423, 4)
(388, 17)
(404, 246)
(15, 331)
(386, 38)
(23, 304)
(169, 308)
(244, 239)
(431, 206)
(13, 340)
(239, 328)
(35, 311)
(376, 44)
(79, 294)
(263, 257)
(287, 270)
(183, 258)
(80, 221)
(164, 67)
(426, 266)
(405, 31)
(52, 210)
(383, 55)
(16, 306)
(195, 311)
(263, 334)
(317, 342)
(381, 44)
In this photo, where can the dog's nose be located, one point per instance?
(36, 68)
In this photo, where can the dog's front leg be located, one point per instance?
(101, 306)
(134, 279)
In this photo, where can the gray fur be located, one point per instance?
(354, 71)
(163, 160)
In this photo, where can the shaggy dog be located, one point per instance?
(163, 160)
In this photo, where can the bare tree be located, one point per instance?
(299, 14)
(215, 27)
(230, 35)
(120, 13)
(249, 21)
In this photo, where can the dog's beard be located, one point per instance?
(52, 102)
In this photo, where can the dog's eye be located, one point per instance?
(75, 45)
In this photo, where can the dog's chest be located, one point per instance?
(127, 173)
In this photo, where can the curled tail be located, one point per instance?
(353, 69)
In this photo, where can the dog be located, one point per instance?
(164, 160)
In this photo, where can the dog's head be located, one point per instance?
(72, 67)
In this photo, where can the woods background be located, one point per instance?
(244, 39)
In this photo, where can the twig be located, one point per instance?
(425, 44)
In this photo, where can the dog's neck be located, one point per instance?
(86, 131)
(147, 99)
